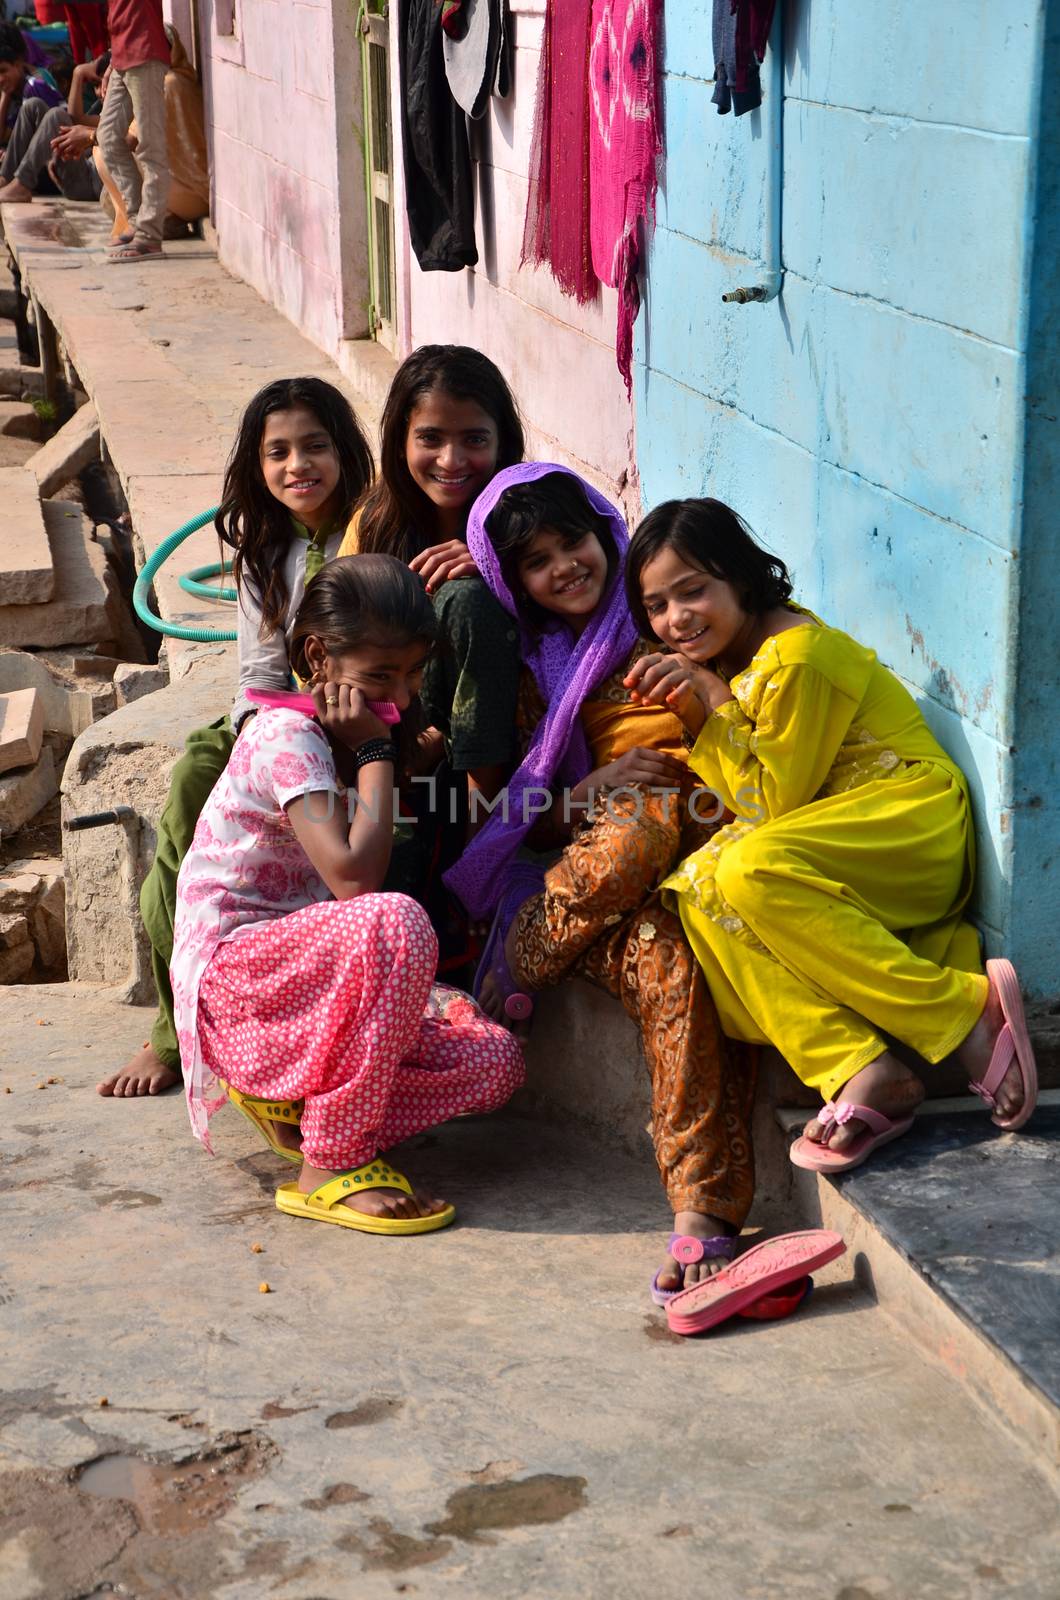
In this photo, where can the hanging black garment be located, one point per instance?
(439, 194)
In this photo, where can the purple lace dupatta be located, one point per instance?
(566, 669)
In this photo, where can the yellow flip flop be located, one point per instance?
(261, 1114)
(325, 1204)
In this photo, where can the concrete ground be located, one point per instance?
(496, 1410)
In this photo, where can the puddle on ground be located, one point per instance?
(55, 230)
(660, 1332)
(375, 1409)
(272, 1409)
(392, 1551)
(127, 1199)
(518, 1503)
(171, 1497)
(336, 1494)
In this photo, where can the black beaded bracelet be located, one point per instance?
(374, 750)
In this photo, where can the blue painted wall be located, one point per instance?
(871, 423)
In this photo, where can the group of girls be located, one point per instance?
(728, 783)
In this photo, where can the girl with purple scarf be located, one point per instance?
(608, 779)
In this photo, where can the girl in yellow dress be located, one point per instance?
(828, 914)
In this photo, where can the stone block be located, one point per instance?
(132, 682)
(20, 383)
(35, 891)
(72, 701)
(77, 613)
(68, 452)
(27, 573)
(21, 728)
(14, 930)
(15, 964)
(127, 759)
(23, 794)
(19, 420)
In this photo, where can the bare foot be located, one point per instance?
(885, 1085)
(491, 997)
(14, 193)
(373, 1202)
(289, 1134)
(974, 1056)
(146, 1073)
(673, 1275)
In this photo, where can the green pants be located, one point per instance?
(205, 757)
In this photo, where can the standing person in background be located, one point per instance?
(86, 21)
(140, 55)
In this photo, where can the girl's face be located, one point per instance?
(692, 611)
(566, 573)
(300, 465)
(451, 450)
(381, 671)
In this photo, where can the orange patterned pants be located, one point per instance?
(600, 918)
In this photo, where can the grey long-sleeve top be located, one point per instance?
(264, 663)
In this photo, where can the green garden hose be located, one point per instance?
(176, 630)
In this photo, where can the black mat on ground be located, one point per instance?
(977, 1213)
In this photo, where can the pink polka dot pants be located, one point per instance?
(327, 1004)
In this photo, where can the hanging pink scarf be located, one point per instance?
(625, 141)
(556, 231)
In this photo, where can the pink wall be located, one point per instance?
(558, 356)
(283, 110)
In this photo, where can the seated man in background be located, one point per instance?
(51, 147)
(18, 81)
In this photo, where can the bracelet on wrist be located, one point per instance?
(374, 750)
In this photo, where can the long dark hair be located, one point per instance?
(555, 501)
(710, 535)
(397, 518)
(366, 600)
(251, 519)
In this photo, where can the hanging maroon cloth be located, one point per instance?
(625, 140)
(556, 232)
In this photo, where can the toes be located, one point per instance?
(816, 1132)
(106, 1087)
(670, 1276)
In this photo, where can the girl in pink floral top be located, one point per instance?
(294, 979)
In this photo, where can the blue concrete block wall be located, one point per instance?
(870, 424)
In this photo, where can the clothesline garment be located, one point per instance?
(625, 141)
(556, 230)
(740, 34)
(829, 912)
(285, 992)
(439, 193)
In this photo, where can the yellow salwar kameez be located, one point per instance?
(829, 911)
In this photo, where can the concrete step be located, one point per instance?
(956, 1230)
(78, 610)
(27, 573)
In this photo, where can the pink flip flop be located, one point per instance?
(1012, 1041)
(822, 1158)
(761, 1271)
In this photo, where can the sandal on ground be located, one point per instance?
(822, 1158)
(525, 880)
(137, 250)
(686, 1251)
(326, 1203)
(261, 1114)
(761, 1271)
(1013, 1042)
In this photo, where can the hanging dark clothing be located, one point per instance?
(740, 34)
(439, 194)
